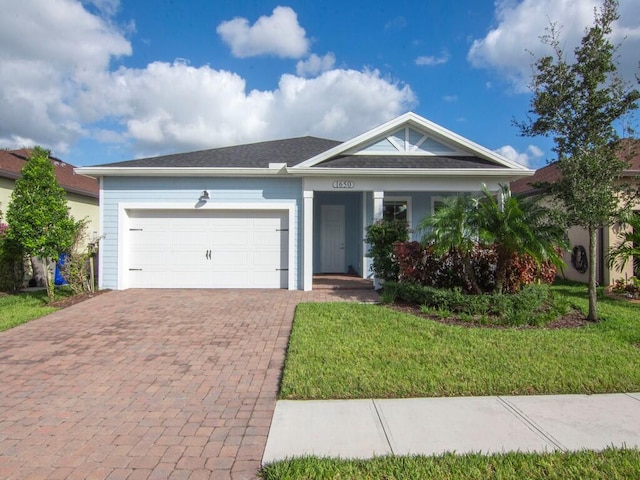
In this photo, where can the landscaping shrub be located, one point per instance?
(421, 264)
(76, 268)
(534, 304)
(11, 263)
(381, 237)
(627, 287)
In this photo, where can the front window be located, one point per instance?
(396, 210)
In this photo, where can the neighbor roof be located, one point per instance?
(254, 155)
(630, 151)
(12, 161)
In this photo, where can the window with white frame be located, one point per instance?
(397, 208)
(437, 203)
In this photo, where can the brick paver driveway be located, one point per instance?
(142, 384)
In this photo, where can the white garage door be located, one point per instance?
(207, 249)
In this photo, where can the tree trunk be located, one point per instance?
(502, 262)
(38, 273)
(593, 244)
(471, 274)
(48, 279)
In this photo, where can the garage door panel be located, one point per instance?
(231, 258)
(208, 249)
(228, 238)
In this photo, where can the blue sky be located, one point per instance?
(98, 81)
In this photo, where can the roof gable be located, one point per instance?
(411, 135)
(407, 141)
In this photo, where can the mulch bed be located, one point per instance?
(608, 292)
(68, 301)
(573, 319)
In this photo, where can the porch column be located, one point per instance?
(378, 205)
(365, 246)
(307, 219)
(378, 214)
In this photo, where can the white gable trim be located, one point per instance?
(419, 122)
(404, 148)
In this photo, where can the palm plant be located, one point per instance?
(453, 228)
(510, 224)
(629, 246)
(518, 226)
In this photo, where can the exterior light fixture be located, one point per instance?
(204, 196)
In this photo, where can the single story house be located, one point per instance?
(273, 214)
(82, 191)
(576, 257)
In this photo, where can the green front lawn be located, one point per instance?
(22, 307)
(609, 464)
(345, 350)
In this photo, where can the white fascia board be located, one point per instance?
(416, 121)
(178, 172)
(410, 172)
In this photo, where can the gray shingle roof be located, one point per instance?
(407, 161)
(293, 151)
(255, 155)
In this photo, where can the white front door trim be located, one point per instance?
(332, 238)
(123, 227)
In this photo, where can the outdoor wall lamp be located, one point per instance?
(204, 196)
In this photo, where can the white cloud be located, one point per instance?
(64, 90)
(508, 47)
(523, 158)
(337, 104)
(51, 49)
(315, 64)
(209, 108)
(450, 98)
(431, 61)
(280, 35)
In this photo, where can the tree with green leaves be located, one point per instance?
(38, 215)
(578, 102)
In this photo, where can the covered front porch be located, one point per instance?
(334, 238)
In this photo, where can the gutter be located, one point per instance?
(177, 172)
(282, 170)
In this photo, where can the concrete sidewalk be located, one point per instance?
(432, 426)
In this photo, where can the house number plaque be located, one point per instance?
(343, 184)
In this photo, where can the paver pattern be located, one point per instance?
(147, 384)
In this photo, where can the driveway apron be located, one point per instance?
(146, 384)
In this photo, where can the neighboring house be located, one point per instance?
(82, 191)
(273, 214)
(576, 257)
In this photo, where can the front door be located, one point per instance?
(332, 239)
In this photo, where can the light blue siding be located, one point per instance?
(159, 190)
